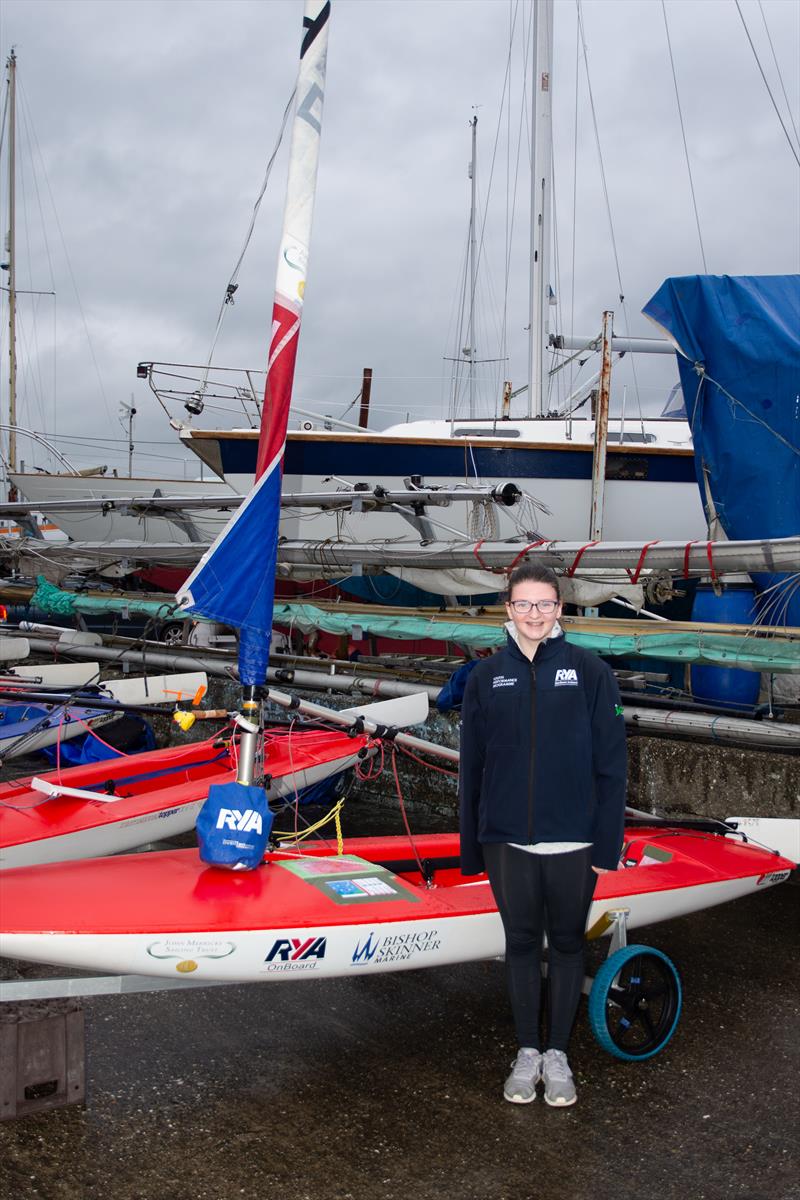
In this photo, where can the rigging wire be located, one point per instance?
(683, 136)
(95, 363)
(511, 191)
(485, 211)
(28, 123)
(232, 285)
(626, 324)
(778, 70)
(766, 85)
(574, 214)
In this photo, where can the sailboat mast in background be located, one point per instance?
(10, 266)
(541, 203)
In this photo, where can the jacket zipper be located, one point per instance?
(532, 764)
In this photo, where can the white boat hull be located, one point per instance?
(24, 744)
(650, 489)
(249, 955)
(117, 837)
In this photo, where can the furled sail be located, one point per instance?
(234, 582)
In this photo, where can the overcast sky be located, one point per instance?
(144, 131)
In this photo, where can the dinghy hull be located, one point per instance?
(315, 915)
(158, 795)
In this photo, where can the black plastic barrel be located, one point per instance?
(726, 685)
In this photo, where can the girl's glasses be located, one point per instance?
(545, 607)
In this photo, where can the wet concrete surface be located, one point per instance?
(390, 1087)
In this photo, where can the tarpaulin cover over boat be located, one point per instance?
(738, 343)
(773, 654)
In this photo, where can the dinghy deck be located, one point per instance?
(319, 914)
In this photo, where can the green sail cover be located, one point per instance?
(52, 600)
(773, 654)
(757, 654)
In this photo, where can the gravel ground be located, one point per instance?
(389, 1086)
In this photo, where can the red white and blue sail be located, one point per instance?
(234, 582)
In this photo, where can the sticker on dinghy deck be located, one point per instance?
(348, 879)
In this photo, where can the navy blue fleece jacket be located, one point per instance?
(543, 754)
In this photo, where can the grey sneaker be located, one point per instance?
(559, 1086)
(526, 1071)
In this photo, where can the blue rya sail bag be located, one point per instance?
(233, 826)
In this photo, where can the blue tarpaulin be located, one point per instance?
(738, 343)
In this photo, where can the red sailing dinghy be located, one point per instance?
(386, 904)
(118, 804)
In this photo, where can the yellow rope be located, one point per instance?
(334, 815)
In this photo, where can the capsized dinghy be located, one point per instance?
(387, 904)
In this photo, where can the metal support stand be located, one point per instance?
(14, 991)
(618, 917)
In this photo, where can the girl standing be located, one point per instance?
(542, 801)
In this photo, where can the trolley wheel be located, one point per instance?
(635, 1003)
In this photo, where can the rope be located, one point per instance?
(709, 554)
(683, 135)
(686, 558)
(571, 570)
(766, 84)
(636, 572)
(333, 815)
(701, 371)
(375, 767)
(401, 802)
(523, 552)
(430, 765)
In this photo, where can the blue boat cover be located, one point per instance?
(738, 344)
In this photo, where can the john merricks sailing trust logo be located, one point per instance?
(395, 947)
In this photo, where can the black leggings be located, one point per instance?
(538, 894)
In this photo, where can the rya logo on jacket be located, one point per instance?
(566, 677)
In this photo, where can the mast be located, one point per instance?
(235, 580)
(541, 203)
(12, 266)
(601, 433)
(473, 265)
